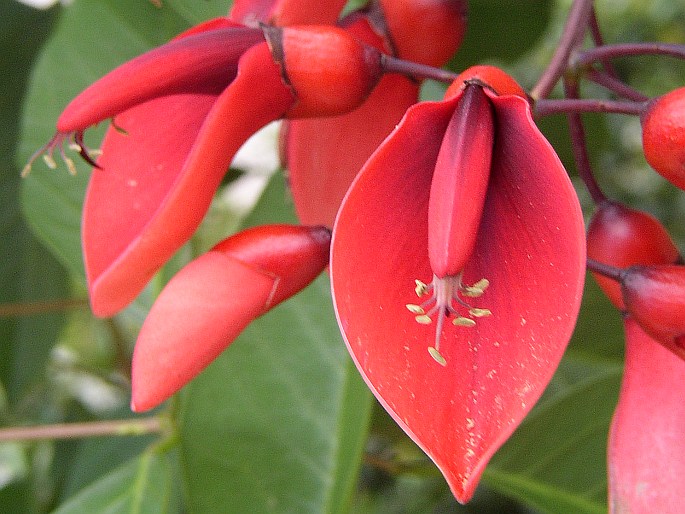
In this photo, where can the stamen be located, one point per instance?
(444, 302)
(58, 142)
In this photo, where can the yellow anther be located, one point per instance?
(49, 161)
(421, 288)
(423, 319)
(479, 313)
(415, 309)
(74, 147)
(25, 172)
(463, 322)
(70, 165)
(476, 289)
(436, 355)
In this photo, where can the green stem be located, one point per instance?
(123, 427)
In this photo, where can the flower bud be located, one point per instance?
(330, 71)
(211, 300)
(654, 296)
(488, 76)
(663, 136)
(425, 31)
(621, 237)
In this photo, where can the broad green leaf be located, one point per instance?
(278, 422)
(28, 273)
(141, 486)
(96, 457)
(91, 38)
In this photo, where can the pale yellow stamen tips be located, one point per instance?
(436, 355)
(415, 309)
(476, 289)
(446, 301)
(49, 162)
(421, 288)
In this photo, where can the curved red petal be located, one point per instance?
(155, 187)
(286, 12)
(204, 62)
(646, 455)
(197, 315)
(531, 248)
(324, 155)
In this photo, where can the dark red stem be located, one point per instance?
(419, 71)
(605, 270)
(627, 50)
(580, 153)
(571, 37)
(616, 86)
(599, 41)
(568, 105)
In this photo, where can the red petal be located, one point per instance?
(531, 248)
(203, 62)
(286, 12)
(324, 155)
(197, 315)
(646, 451)
(157, 182)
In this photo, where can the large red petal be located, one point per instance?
(324, 155)
(203, 62)
(287, 12)
(646, 456)
(157, 182)
(531, 248)
(197, 315)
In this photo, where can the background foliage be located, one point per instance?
(281, 422)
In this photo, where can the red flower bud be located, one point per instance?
(425, 31)
(329, 70)
(663, 136)
(654, 296)
(210, 301)
(621, 237)
(488, 76)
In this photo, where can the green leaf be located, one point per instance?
(277, 423)
(551, 462)
(91, 38)
(142, 485)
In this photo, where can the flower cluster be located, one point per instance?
(455, 239)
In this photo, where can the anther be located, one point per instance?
(445, 302)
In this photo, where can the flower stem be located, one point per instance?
(420, 71)
(605, 270)
(572, 35)
(628, 50)
(569, 105)
(599, 41)
(19, 309)
(124, 427)
(580, 153)
(616, 86)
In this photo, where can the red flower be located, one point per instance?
(466, 205)
(181, 112)
(646, 454)
(324, 155)
(646, 460)
(210, 301)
